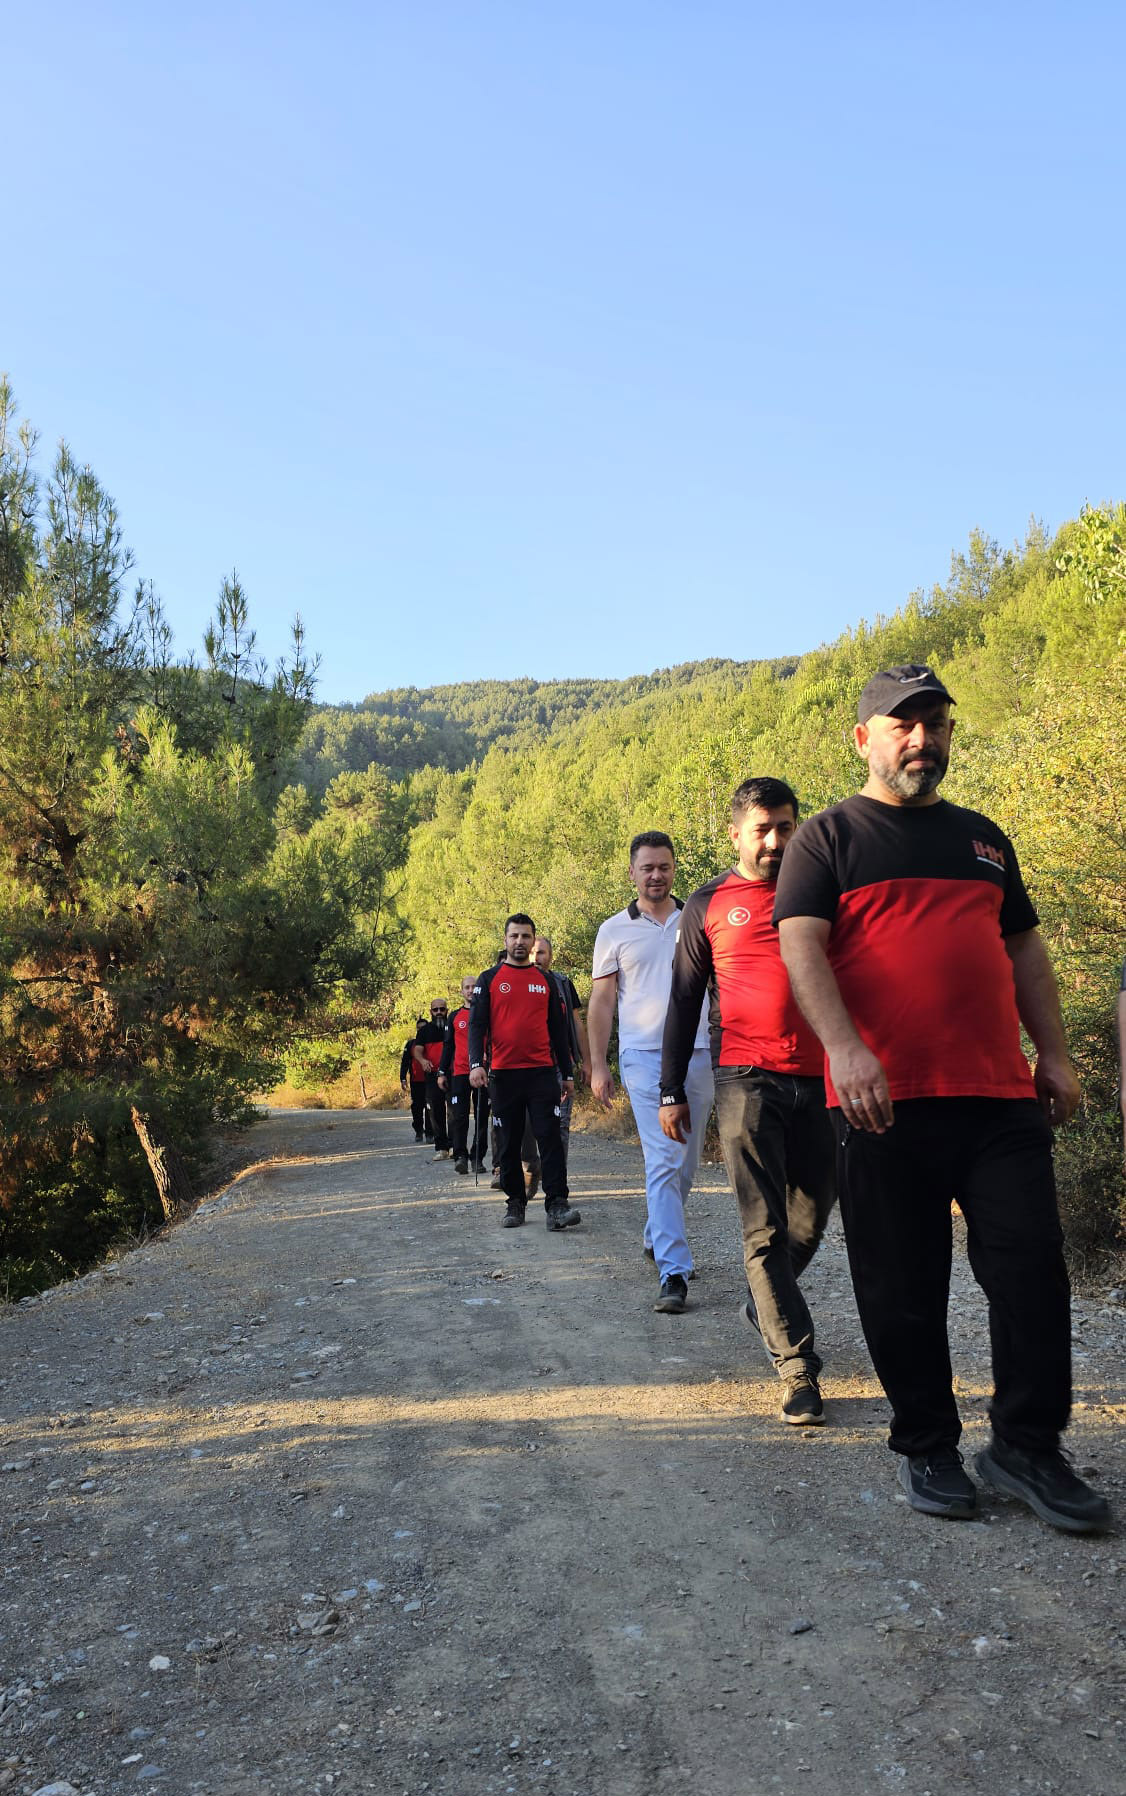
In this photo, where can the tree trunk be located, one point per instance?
(169, 1175)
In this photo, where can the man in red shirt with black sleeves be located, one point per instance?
(453, 1077)
(913, 950)
(769, 1085)
(517, 1024)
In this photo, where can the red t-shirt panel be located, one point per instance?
(759, 1022)
(920, 900)
(460, 1026)
(518, 1018)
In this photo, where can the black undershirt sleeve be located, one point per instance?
(480, 1016)
(559, 1030)
(447, 1060)
(691, 971)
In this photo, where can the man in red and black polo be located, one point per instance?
(769, 1086)
(428, 1045)
(410, 1068)
(913, 950)
(517, 1024)
(453, 1077)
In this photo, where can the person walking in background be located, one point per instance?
(632, 973)
(913, 950)
(518, 1025)
(453, 1077)
(428, 1046)
(412, 1081)
(576, 1029)
(770, 1109)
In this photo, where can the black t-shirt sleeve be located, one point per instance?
(808, 881)
(479, 1018)
(559, 1029)
(575, 1001)
(405, 1062)
(447, 1059)
(691, 971)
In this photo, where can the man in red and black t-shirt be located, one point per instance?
(453, 1077)
(428, 1045)
(518, 1024)
(913, 950)
(769, 1086)
(409, 1067)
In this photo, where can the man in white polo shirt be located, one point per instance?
(633, 955)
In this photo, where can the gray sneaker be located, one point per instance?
(563, 1217)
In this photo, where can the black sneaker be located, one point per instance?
(1048, 1484)
(937, 1484)
(563, 1217)
(513, 1217)
(494, 1182)
(461, 1164)
(419, 1140)
(673, 1300)
(801, 1401)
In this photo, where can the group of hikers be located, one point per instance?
(850, 996)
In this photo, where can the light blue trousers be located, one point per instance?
(669, 1168)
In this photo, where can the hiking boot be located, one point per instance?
(937, 1484)
(563, 1217)
(673, 1300)
(1047, 1483)
(531, 1183)
(513, 1217)
(461, 1164)
(801, 1400)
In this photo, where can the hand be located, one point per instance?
(861, 1085)
(568, 1089)
(1057, 1087)
(442, 1081)
(602, 1085)
(676, 1121)
(586, 1072)
(478, 1078)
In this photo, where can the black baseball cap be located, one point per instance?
(896, 686)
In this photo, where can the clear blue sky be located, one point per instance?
(506, 339)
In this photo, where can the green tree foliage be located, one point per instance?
(160, 934)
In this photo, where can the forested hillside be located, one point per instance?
(450, 727)
(1032, 641)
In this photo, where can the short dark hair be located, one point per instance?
(762, 794)
(519, 916)
(650, 838)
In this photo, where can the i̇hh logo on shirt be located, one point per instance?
(738, 916)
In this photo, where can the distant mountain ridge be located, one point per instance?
(453, 726)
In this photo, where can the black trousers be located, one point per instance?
(780, 1155)
(464, 1103)
(418, 1105)
(436, 1101)
(532, 1094)
(994, 1157)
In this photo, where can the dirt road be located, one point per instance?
(343, 1488)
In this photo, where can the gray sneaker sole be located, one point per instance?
(998, 1479)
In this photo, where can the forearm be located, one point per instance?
(1037, 994)
(815, 989)
(599, 1021)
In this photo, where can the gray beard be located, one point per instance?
(917, 784)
